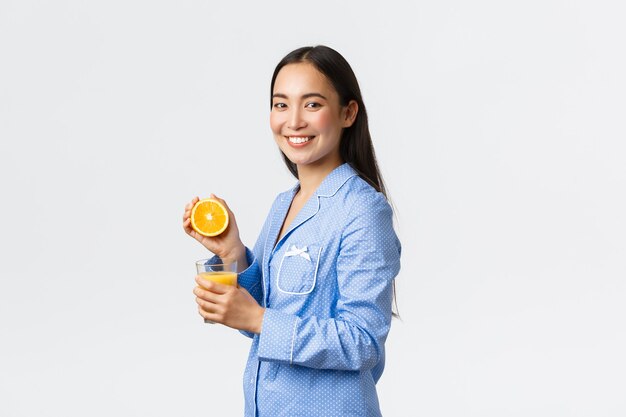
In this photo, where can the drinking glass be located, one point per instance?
(217, 270)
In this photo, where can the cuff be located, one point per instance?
(278, 336)
(251, 276)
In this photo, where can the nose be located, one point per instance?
(295, 120)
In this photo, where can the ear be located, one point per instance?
(349, 113)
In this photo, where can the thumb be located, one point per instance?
(221, 200)
(247, 294)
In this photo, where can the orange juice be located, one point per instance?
(223, 277)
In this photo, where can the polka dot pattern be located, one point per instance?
(327, 289)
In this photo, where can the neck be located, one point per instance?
(311, 177)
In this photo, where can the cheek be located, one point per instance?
(325, 122)
(276, 122)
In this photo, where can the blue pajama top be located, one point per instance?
(327, 289)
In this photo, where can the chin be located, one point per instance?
(297, 161)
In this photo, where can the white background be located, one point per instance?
(499, 127)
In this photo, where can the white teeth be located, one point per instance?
(299, 139)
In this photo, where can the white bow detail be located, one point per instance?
(294, 251)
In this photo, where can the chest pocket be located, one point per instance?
(297, 272)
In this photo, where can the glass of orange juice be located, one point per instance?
(216, 270)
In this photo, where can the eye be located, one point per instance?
(280, 106)
(313, 105)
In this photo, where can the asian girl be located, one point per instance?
(315, 292)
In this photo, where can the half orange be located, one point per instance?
(209, 217)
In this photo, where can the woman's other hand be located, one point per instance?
(226, 245)
(228, 305)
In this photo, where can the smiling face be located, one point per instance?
(307, 119)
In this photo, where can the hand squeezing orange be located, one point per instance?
(209, 217)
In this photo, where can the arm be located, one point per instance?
(251, 277)
(368, 261)
(237, 307)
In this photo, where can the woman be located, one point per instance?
(315, 293)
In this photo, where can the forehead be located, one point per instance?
(302, 78)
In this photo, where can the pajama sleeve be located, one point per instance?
(251, 277)
(366, 265)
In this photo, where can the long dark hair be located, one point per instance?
(356, 142)
(356, 146)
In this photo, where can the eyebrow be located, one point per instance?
(304, 96)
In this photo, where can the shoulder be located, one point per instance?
(361, 205)
(362, 198)
(368, 218)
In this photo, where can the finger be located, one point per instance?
(208, 285)
(191, 232)
(205, 295)
(221, 200)
(188, 229)
(196, 235)
(189, 208)
(205, 314)
(245, 292)
(214, 287)
(190, 205)
(210, 316)
(206, 305)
